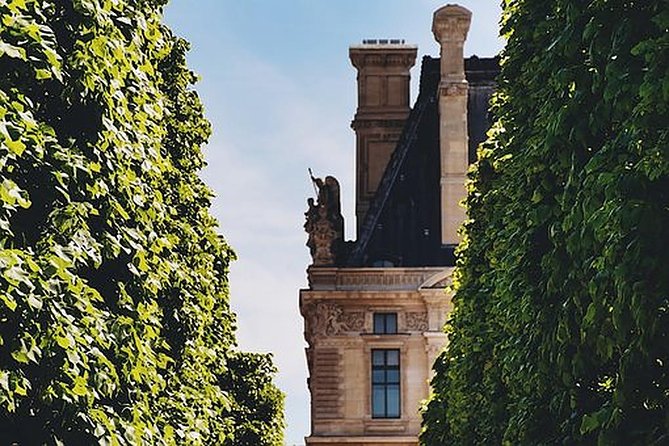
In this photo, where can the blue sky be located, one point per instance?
(280, 92)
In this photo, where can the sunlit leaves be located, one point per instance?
(561, 321)
(114, 317)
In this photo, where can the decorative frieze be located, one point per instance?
(416, 321)
(353, 320)
(323, 319)
(380, 281)
(370, 279)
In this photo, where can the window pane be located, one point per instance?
(379, 401)
(391, 323)
(379, 326)
(385, 323)
(385, 383)
(378, 357)
(393, 395)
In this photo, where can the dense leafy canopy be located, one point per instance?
(560, 333)
(114, 320)
(257, 404)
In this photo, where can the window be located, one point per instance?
(385, 323)
(385, 383)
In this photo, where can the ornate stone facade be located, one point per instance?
(366, 305)
(339, 331)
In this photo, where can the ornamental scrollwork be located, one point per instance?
(416, 321)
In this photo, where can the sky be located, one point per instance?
(280, 92)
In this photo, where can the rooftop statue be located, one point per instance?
(324, 222)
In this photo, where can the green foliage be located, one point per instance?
(257, 410)
(561, 324)
(114, 316)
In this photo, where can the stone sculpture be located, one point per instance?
(324, 222)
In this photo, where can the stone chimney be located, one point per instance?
(383, 106)
(450, 26)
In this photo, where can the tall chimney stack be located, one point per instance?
(450, 26)
(383, 106)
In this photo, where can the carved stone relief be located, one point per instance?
(353, 320)
(416, 321)
(328, 319)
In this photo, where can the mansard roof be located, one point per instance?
(402, 226)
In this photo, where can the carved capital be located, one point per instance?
(451, 24)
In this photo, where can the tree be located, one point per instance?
(258, 404)
(561, 321)
(114, 319)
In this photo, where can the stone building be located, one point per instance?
(374, 308)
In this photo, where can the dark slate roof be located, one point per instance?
(403, 224)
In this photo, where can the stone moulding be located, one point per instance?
(364, 56)
(454, 88)
(370, 279)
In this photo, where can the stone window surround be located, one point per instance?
(385, 367)
(400, 311)
(383, 342)
(385, 317)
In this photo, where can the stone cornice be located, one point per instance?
(370, 279)
(373, 300)
(402, 57)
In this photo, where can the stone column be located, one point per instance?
(450, 26)
(383, 106)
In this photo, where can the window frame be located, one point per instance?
(382, 329)
(390, 382)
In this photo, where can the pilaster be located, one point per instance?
(450, 27)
